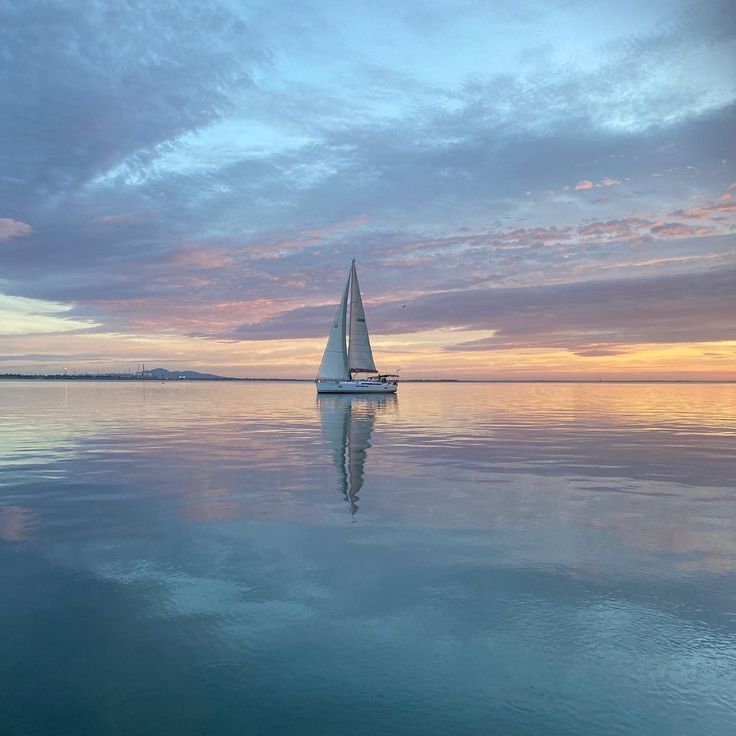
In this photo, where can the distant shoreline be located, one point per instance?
(152, 379)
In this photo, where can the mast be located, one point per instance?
(360, 355)
(334, 365)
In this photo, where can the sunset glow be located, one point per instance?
(556, 201)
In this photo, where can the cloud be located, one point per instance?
(589, 317)
(725, 207)
(20, 316)
(597, 352)
(691, 213)
(582, 317)
(587, 184)
(13, 228)
(102, 83)
(707, 211)
(205, 259)
(303, 240)
(176, 157)
(124, 217)
(456, 153)
(625, 227)
(679, 230)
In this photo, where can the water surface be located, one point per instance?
(219, 558)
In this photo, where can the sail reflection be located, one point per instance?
(347, 424)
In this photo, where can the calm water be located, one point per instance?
(220, 558)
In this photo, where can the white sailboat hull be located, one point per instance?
(356, 387)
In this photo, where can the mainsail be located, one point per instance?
(360, 355)
(334, 365)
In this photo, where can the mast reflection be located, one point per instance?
(347, 424)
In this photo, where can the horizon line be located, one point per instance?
(133, 377)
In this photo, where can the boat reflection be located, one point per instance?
(347, 424)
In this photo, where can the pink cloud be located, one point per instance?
(724, 207)
(679, 230)
(353, 222)
(706, 208)
(606, 181)
(623, 228)
(537, 234)
(691, 214)
(13, 228)
(200, 258)
(150, 314)
(305, 239)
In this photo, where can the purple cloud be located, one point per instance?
(589, 318)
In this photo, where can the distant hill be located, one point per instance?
(163, 374)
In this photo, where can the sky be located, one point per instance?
(530, 189)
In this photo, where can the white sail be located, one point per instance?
(360, 355)
(339, 363)
(334, 365)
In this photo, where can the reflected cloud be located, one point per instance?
(347, 424)
(647, 464)
(15, 522)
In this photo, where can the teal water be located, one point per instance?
(216, 558)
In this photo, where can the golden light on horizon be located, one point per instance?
(428, 354)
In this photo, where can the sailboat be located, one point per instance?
(341, 365)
